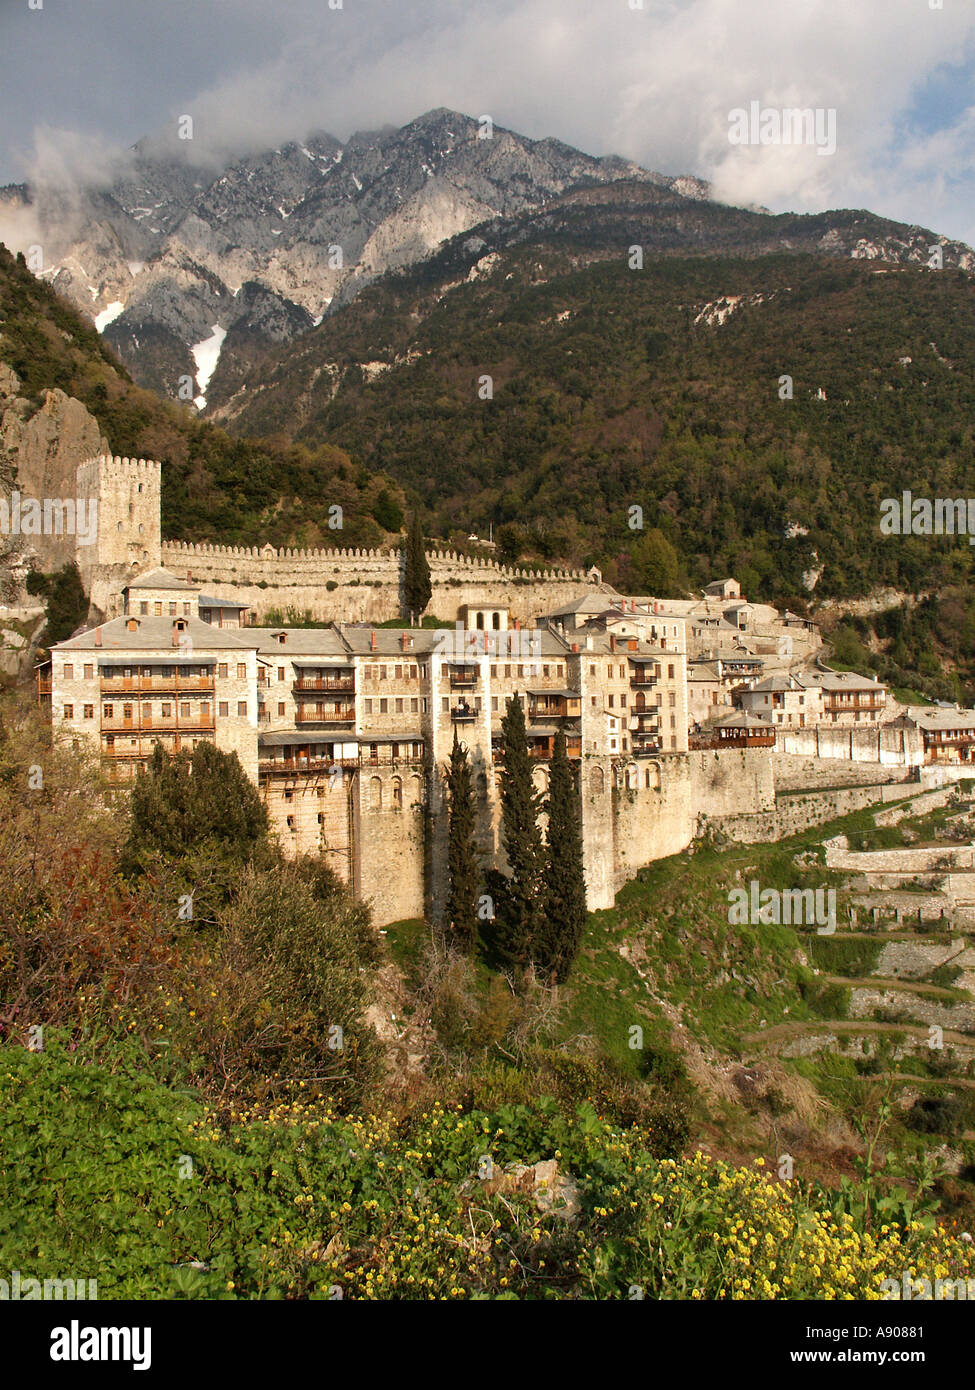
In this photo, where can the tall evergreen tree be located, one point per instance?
(417, 589)
(518, 911)
(559, 937)
(462, 861)
(199, 816)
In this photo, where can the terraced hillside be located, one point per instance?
(803, 1044)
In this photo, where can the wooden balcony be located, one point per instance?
(645, 748)
(462, 677)
(143, 751)
(340, 684)
(642, 681)
(543, 749)
(277, 767)
(540, 749)
(647, 716)
(186, 723)
(150, 685)
(44, 686)
(833, 704)
(464, 714)
(325, 716)
(541, 708)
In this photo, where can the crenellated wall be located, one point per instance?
(361, 585)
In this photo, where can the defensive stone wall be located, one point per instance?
(794, 812)
(801, 772)
(353, 585)
(879, 743)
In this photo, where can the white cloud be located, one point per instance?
(654, 84)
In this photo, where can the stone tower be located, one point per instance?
(128, 535)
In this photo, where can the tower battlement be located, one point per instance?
(128, 535)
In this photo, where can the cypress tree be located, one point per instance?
(560, 935)
(417, 589)
(518, 912)
(462, 863)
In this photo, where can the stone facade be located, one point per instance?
(346, 729)
(128, 493)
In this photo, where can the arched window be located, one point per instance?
(632, 776)
(597, 781)
(375, 794)
(480, 622)
(496, 621)
(417, 789)
(397, 794)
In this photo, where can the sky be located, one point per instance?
(652, 80)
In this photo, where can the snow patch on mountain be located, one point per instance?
(108, 315)
(206, 355)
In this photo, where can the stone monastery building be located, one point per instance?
(346, 728)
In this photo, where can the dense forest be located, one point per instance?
(612, 388)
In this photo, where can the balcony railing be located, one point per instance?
(544, 751)
(463, 677)
(463, 714)
(839, 705)
(339, 684)
(120, 685)
(555, 709)
(139, 754)
(44, 687)
(325, 716)
(293, 765)
(643, 682)
(118, 724)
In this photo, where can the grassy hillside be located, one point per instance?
(215, 488)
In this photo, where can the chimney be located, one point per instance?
(98, 636)
(517, 624)
(372, 640)
(403, 642)
(612, 641)
(575, 646)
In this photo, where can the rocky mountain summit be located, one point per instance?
(178, 261)
(194, 267)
